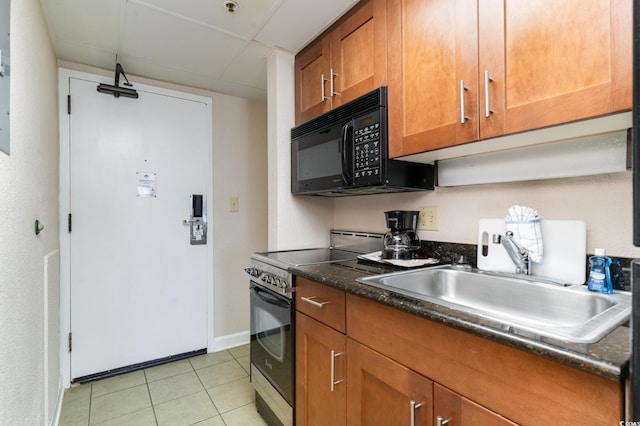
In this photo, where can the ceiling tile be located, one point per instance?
(292, 27)
(245, 22)
(195, 43)
(139, 67)
(91, 22)
(250, 67)
(84, 54)
(176, 43)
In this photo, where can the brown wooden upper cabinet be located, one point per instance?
(345, 62)
(464, 70)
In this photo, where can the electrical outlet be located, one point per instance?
(234, 205)
(429, 219)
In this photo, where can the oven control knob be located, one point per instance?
(254, 272)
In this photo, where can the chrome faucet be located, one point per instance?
(518, 254)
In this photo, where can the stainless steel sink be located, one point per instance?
(522, 305)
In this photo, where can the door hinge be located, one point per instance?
(69, 222)
(70, 342)
(69, 104)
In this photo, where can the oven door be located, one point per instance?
(272, 338)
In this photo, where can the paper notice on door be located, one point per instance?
(146, 184)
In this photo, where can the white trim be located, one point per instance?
(56, 415)
(231, 341)
(577, 129)
(64, 76)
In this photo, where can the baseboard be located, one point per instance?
(230, 341)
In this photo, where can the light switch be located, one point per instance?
(234, 205)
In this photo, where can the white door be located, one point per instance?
(138, 287)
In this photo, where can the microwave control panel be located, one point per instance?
(367, 149)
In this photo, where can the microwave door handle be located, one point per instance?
(347, 152)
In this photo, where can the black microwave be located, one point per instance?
(344, 152)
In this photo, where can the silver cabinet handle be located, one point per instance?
(333, 76)
(487, 81)
(440, 421)
(334, 382)
(190, 221)
(313, 302)
(463, 118)
(322, 81)
(412, 413)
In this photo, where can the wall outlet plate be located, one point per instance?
(429, 219)
(234, 205)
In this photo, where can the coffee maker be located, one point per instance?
(401, 242)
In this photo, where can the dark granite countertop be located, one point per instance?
(608, 358)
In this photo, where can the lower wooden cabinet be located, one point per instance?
(320, 373)
(392, 368)
(383, 392)
(451, 409)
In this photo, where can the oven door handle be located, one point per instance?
(265, 297)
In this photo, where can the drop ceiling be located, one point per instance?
(196, 43)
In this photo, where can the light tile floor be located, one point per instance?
(206, 390)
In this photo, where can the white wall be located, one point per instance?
(604, 202)
(28, 191)
(294, 222)
(239, 170)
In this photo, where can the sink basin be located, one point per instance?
(522, 305)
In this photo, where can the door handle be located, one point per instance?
(412, 413)
(463, 89)
(441, 421)
(487, 108)
(334, 382)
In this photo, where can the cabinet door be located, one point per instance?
(553, 61)
(454, 410)
(383, 392)
(320, 373)
(433, 74)
(312, 80)
(359, 53)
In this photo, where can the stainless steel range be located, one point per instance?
(272, 317)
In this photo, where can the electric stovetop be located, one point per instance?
(303, 257)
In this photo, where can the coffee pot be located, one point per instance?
(401, 242)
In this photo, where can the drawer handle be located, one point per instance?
(334, 382)
(413, 407)
(313, 302)
(441, 421)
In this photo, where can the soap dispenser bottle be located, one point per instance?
(600, 276)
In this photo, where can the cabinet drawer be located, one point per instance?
(326, 304)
